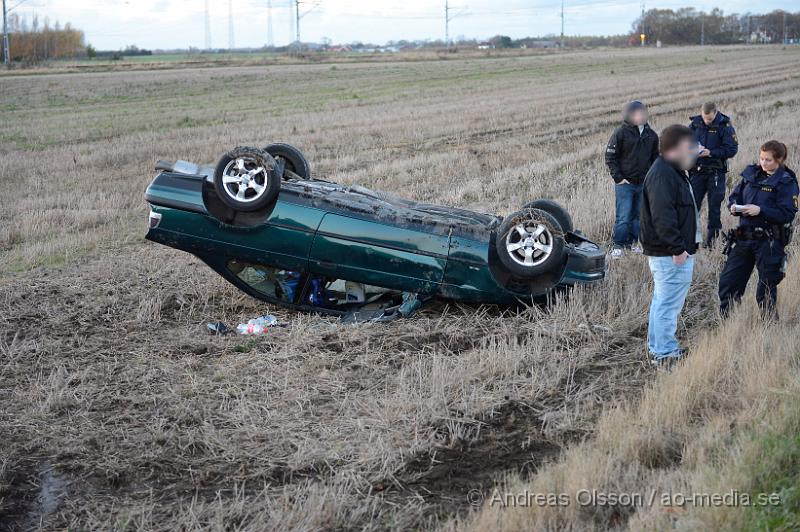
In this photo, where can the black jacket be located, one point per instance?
(668, 216)
(629, 154)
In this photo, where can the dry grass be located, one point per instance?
(116, 403)
(691, 433)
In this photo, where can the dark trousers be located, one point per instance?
(768, 257)
(713, 186)
(628, 201)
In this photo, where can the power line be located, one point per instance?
(561, 45)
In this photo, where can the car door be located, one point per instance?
(374, 252)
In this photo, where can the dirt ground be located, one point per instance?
(121, 413)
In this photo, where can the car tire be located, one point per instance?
(556, 210)
(292, 157)
(245, 179)
(529, 243)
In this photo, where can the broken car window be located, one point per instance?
(272, 282)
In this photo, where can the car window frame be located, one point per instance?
(251, 290)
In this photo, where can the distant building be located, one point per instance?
(760, 36)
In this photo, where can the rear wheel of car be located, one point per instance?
(530, 243)
(292, 158)
(246, 180)
(555, 209)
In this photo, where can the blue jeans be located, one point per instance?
(628, 199)
(671, 286)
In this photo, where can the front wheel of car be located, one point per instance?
(530, 243)
(292, 158)
(555, 209)
(246, 180)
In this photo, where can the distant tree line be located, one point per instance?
(37, 41)
(690, 26)
(130, 50)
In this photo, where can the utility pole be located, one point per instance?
(784, 28)
(643, 35)
(6, 48)
(298, 15)
(562, 25)
(702, 28)
(749, 33)
(231, 42)
(270, 40)
(447, 18)
(208, 27)
(447, 24)
(297, 20)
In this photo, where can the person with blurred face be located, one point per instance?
(670, 236)
(631, 150)
(717, 143)
(766, 200)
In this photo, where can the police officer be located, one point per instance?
(766, 200)
(717, 139)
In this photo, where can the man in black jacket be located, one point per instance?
(670, 235)
(631, 150)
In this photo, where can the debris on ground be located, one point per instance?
(217, 328)
(257, 326)
(411, 304)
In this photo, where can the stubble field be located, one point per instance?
(119, 413)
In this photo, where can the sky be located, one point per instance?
(171, 24)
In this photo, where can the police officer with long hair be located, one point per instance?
(766, 200)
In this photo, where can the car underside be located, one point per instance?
(325, 247)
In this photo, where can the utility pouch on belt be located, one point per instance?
(784, 233)
(729, 240)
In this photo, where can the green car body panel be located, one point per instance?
(332, 231)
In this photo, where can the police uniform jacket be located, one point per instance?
(719, 138)
(776, 195)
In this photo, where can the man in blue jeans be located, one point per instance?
(670, 235)
(631, 150)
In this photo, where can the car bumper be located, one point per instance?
(572, 278)
(586, 263)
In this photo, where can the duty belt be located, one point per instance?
(710, 166)
(757, 233)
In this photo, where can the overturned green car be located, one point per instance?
(262, 222)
